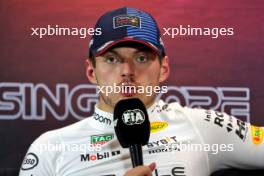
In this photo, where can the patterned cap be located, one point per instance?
(126, 24)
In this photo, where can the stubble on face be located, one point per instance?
(108, 102)
(148, 76)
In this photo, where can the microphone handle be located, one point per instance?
(136, 154)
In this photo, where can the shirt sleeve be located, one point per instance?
(41, 158)
(233, 143)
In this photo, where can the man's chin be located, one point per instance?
(139, 96)
(127, 96)
(144, 98)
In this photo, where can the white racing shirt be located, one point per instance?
(183, 142)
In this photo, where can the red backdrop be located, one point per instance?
(197, 62)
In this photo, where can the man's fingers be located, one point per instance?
(141, 170)
(152, 166)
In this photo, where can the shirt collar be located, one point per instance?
(104, 120)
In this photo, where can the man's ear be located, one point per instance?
(90, 71)
(164, 70)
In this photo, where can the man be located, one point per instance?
(183, 141)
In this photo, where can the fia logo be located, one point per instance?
(133, 117)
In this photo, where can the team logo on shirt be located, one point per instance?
(158, 126)
(102, 119)
(99, 156)
(165, 144)
(257, 135)
(158, 108)
(101, 139)
(162, 142)
(30, 161)
(178, 170)
(230, 124)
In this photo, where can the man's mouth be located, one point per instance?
(128, 89)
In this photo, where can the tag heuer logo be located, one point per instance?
(126, 20)
(101, 139)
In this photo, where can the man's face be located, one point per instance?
(126, 67)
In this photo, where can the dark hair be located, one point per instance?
(91, 58)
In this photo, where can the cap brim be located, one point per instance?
(106, 47)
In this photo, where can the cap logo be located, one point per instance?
(126, 20)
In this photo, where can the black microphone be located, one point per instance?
(132, 127)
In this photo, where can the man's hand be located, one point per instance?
(141, 170)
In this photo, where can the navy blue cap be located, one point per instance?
(126, 24)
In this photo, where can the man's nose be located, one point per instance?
(127, 69)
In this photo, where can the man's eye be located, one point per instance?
(142, 58)
(111, 59)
